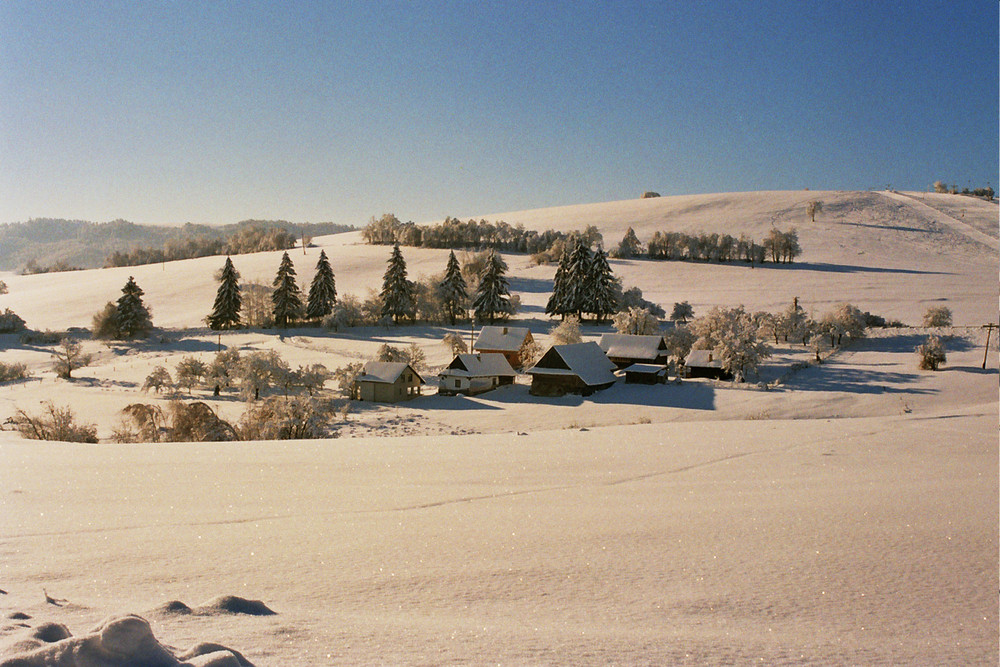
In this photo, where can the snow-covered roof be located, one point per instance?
(651, 369)
(500, 338)
(702, 359)
(386, 371)
(584, 360)
(483, 364)
(629, 346)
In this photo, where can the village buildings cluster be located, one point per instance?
(577, 368)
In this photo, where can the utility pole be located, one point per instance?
(986, 352)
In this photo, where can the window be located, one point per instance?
(457, 383)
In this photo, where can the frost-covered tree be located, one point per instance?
(812, 208)
(601, 289)
(286, 298)
(682, 312)
(158, 380)
(843, 320)
(577, 279)
(190, 372)
(455, 343)
(679, 340)
(258, 371)
(67, 357)
(937, 316)
(566, 332)
(629, 246)
(493, 294)
(228, 300)
(557, 304)
(453, 291)
(794, 323)
(732, 336)
(931, 354)
(132, 318)
(322, 291)
(636, 321)
(397, 292)
(529, 352)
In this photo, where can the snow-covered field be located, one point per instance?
(847, 515)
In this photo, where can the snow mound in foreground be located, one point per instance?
(119, 641)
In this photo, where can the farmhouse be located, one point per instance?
(505, 340)
(628, 349)
(387, 382)
(704, 364)
(475, 373)
(581, 368)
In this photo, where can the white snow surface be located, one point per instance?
(845, 515)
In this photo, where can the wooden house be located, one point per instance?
(504, 340)
(475, 373)
(580, 368)
(628, 349)
(704, 364)
(387, 382)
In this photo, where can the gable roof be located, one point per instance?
(483, 364)
(702, 359)
(502, 339)
(629, 346)
(584, 360)
(387, 372)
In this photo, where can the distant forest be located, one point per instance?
(46, 244)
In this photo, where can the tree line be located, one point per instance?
(777, 246)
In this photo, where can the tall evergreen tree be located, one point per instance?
(600, 293)
(132, 318)
(493, 294)
(453, 290)
(557, 302)
(577, 279)
(228, 300)
(323, 291)
(397, 292)
(286, 297)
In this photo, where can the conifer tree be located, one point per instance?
(286, 296)
(397, 292)
(557, 302)
(493, 294)
(453, 290)
(577, 279)
(132, 318)
(323, 291)
(228, 300)
(600, 292)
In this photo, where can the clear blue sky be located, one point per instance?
(213, 112)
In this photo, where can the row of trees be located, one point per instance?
(584, 283)
(777, 246)
(942, 188)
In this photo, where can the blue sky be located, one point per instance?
(214, 112)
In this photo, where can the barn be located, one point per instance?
(704, 364)
(580, 368)
(504, 340)
(628, 349)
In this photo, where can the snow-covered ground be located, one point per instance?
(847, 514)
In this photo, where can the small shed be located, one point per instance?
(580, 368)
(504, 340)
(387, 382)
(704, 364)
(645, 374)
(628, 349)
(475, 373)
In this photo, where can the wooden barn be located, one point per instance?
(387, 382)
(475, 373)
(628, 349)
(645, 374)
(504, 340)
(704, 364)
(581, 368)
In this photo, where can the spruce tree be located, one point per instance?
(323, 291)
(397, 291)
(493, 294)
(453, 290)
(228, 301)
(132, 318)
(576, 284)
(600, 293)
(286, 297)
(557, 302)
